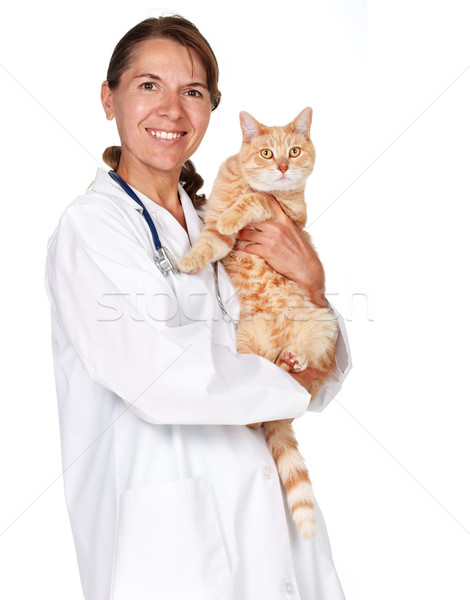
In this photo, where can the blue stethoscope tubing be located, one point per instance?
(163, 258)
(133, 195)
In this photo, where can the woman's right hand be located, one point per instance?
(307, 377)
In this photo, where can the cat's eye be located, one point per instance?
(266, 153)
(294, 152)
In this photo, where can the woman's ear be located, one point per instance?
(107, 100)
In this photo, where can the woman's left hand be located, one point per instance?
(281, 244)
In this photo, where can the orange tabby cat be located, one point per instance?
(277, 319)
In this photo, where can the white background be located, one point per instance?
(388, 212)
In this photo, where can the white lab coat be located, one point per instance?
(170, 495)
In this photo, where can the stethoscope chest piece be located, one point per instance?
(165, 261)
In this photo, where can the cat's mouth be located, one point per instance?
(161, 134)
(284, 180)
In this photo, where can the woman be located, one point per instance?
(169, 494)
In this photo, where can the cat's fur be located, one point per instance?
(277, 319)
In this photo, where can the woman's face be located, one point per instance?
(162, 106)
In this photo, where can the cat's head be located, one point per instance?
(277, 158)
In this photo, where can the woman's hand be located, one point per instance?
(280, 243)
(305, 377)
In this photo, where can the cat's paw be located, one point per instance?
(228, 225)
(254, 425)
(294, 360)
(190, 264)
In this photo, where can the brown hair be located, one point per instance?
(185, 33)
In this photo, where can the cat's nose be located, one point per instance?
(282, 168)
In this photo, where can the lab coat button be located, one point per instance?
(290, 587)
(268, 472)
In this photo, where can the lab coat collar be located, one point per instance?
(104, 184)
(167, 224)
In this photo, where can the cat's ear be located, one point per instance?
(250, 126)
(303, 121)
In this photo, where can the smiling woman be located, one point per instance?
(169, 494)
(162, 107)
(197, 77)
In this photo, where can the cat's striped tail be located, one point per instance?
(293, 473)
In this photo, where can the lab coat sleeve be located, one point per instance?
(164, 372)
(338, 374)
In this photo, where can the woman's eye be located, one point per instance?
(266, 153)
(194, 93)
(294, 152)
(149, 85)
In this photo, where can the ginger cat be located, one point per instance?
(277, 319)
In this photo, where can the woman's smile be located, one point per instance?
(165, 135)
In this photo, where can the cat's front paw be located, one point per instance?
(228, 225)
(190, 263)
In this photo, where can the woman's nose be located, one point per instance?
(170, 106)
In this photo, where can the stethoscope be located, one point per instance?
(163, 257)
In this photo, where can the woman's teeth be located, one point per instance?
(164, 135)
